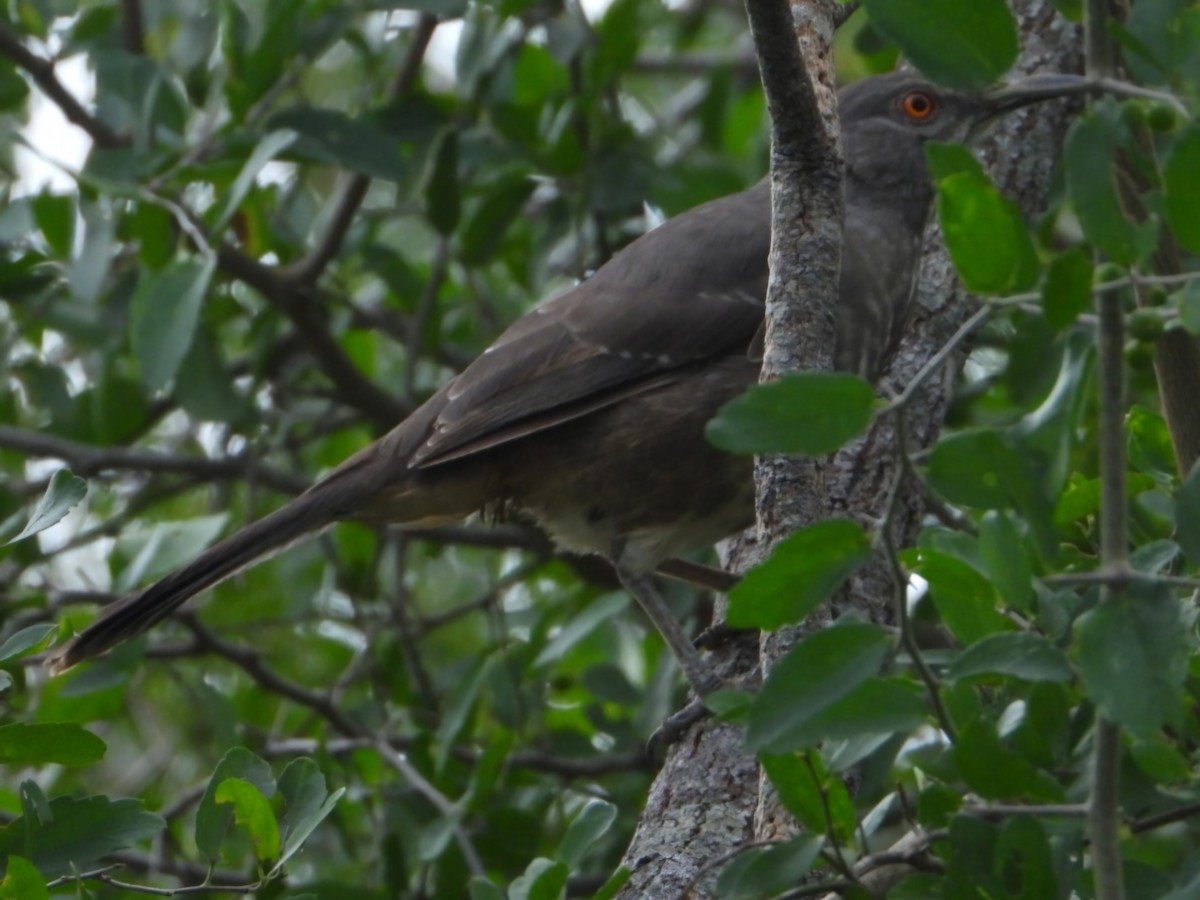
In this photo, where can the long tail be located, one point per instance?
(322, 505)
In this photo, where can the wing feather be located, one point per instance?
(689, 290)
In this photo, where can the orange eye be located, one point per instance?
(918, 105)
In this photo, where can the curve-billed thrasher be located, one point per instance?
(588, 413)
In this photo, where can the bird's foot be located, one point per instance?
(718, 635)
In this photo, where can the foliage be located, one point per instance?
(284, 237)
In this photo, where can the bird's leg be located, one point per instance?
(701, 678)
(710, 578)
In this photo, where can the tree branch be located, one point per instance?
(133, 34)
(42, 72)
(86, 460)
(298, 303)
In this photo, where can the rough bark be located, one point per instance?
(709, 798)
(691, 825)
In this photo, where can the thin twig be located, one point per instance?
(1120, 578)
(102, 876)
(900, 583)
(1003, 811)
(1139, 826)
(251, 662)
(441, 803)
(354, 190)
(938, 359)
(833, 847)
(133, 34)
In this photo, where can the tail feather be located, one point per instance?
(313, 511)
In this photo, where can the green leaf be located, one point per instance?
(1187, 301)
(22, 881)
(485, 228)
(1149, 442)
(443, 201)
(1023, 854)
(589, 826)
(995, 772)
(937, 804)
(965, 600)
(1022, 655)
(55, 217)
(67, 834)
(962, 45)
(984, 230)
(594, 615)
(818, 800)
(801, 573)
(1006, 561)
(765, 872)
(41, 744)
(1161, 760)
(978, 468)
(89, 269)
(1187, 517)
(213, 819)
(203, 385)
(537, 76)
(154, 231)
(165, 546)
(612, 887)
(25, 639)
(617, 36)
(1082, 496)
(830, 664)
(1090, 154)
(457, 710)
(730, 705)
(302, 786)
(252, 810)
(266, 150)
(880, 706)
(63, 492)
(1133, 657)
(1067, 291)
(813, 413)
(1182, 189)
(1161, 43)
(163, 317)
(13, 89)
(359, 144)
(543, 879)
(482, 889)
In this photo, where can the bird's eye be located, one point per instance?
(918, 105)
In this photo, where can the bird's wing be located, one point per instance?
(688, 291)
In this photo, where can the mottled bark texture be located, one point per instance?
(709, 799)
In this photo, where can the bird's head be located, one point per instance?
(886, 120)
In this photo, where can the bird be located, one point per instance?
(587, 414)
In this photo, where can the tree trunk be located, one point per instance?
(709, 799)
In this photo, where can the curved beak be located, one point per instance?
(1034, 89)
